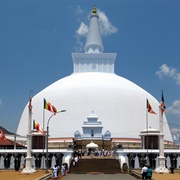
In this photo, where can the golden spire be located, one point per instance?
(94, 10)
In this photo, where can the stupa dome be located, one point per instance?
(119, 103)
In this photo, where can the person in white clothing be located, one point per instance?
(143, 172)
(76, 161)
(63, 170)
(55, 170)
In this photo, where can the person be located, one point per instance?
(76, 161)
(55, 170)
(63, 170)
(143, 172)
(79, 153)
(148, 173)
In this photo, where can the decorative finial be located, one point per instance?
(94, 10)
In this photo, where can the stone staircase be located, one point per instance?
(96, 165)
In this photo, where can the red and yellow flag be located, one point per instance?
(149, 108)
(163, 107)
(37, 126)
(49, 107)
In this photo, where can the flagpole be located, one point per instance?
(161, 159)
(51, 108)
(43, 116)
(43, 135)
(147, 131)
(28, 169)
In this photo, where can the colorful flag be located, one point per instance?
(149, 108)
(163, 107)
(38, 127)
(49, 107)
(2, 136)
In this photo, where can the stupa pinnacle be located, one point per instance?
(94, 42)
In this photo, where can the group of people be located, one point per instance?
(146, 172)
(101, 152)
(56, 169)
(106, 152)
(97, 152)
(78, 153)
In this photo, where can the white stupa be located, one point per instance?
(93, 86)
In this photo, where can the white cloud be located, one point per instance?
(166, 71)
(79, 45)
(79, 10)
(174, 108)
(106, 27)
(83, 29)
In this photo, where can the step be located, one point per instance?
(102, 165)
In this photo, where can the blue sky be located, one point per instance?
(37, 38)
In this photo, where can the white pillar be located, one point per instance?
(53, 161)
(22, 162)
(28, 169)
(136, 162)
(178, 162)
(127, 160)
(161, 159)
(2, 162)
(33, 162)
(43, 163)
(12, 162)
(168, 163)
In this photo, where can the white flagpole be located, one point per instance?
(147, 130)
(28, 169)
(44, 135)
(43, 116)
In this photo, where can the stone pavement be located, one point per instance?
(98, 177)
(156, 176)
(16, 175)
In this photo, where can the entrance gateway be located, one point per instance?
(92, 136)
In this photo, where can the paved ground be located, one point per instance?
(175, 176)
(166, 176)
(16, 175)
(98, 177)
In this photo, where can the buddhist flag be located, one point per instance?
(38, 127)
(163, 107)
(2, 136)
(149, 108)
(49, 107)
